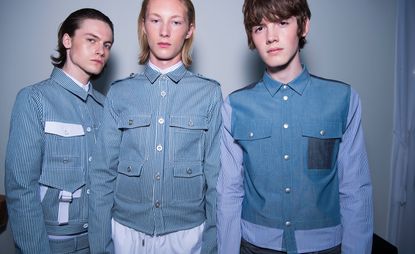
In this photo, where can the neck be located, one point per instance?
(79, 75)
(164, 64)
(288, 72)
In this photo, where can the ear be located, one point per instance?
(306, 28)
(67, 41)
(190, 31)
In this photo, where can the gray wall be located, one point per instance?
(352, 41)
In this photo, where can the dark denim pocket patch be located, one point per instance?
(320, 153)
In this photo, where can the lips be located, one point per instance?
(274, 50)
(164, 44)
(98, 61)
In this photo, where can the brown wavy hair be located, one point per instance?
(274, 11)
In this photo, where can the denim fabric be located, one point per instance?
(52, 135)
(158, 157)
(295, 173)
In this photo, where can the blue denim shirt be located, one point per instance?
(158, 157)
(294, 175)
(52, 135)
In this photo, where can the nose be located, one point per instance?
(100, 50)
(165, 30)
(272, 34)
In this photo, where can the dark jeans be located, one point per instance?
(247, 248)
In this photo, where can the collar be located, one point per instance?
(85, 87)
(175, 75)
(60, 77)
(298, 84)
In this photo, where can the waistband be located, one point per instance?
(71, 245)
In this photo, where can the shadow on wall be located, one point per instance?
(103, 82)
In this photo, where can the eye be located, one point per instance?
(284, 23)
(108, 45)
(91, 40)
(176, 23)
(155, 21)
(257, 29)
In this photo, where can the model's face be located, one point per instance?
(277, 42)
(88, 49)
(166, 27)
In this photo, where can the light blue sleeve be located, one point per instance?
(22, 173)
(212, 167)
(102, 178)
(355, 186)
(230, 188)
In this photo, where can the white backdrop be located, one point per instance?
(352, 41)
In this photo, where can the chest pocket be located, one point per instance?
(252, 130)
(135, 136)
(187, 137)
(322, 143)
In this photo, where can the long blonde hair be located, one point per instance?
(142, 37)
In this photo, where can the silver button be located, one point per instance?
(163, 93)
(285, 98)
(157, 176)
(88, 129)
(251, 134)
(90, 158)
(159, 148)
(65, 161)
(287, 223)
(85, 225)
(285, 126)
(88, 191)
(286, 157)
(190, 123)
(287, 190)
(130, 122)
(129, 168)
(157, 204)
(322, 132)
(161, 120)
(284, 86)
(189, 171)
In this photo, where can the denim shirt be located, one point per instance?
(294, 175)
(158, 157)
(52, 135)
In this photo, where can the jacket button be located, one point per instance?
(189, 171)
(130, 122)
(322, 132)
(129, 168)
(287, 223)
(157, 204)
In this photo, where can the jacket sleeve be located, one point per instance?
(230, 188)
(212, 165)
(22, 172)
(355, 188)
(102, 179)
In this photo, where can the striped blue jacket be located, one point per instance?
(52, 135)
(157, 157)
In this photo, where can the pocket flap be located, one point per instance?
(68, 179)
(322, 130)
(130, 168)
(128, 122)
(64, 129)
(189, 122)
(252, 130)
(187, 170)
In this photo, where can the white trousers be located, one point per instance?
(127, 240)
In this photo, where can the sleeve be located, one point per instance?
(355, 186)
(230, 188)
(22, 172)
(102, 179)
(212, 165)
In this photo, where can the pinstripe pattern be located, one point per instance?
(158, 157)
(355, 193)
(60, 163)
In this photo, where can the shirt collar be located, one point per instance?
(175, 72)
(70, 84)
(298, 84)
(85, 87)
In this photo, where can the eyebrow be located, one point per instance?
(158, 15)
(97, 37)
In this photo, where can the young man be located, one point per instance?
(153, 186)
(295, 176)
(52, 134)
